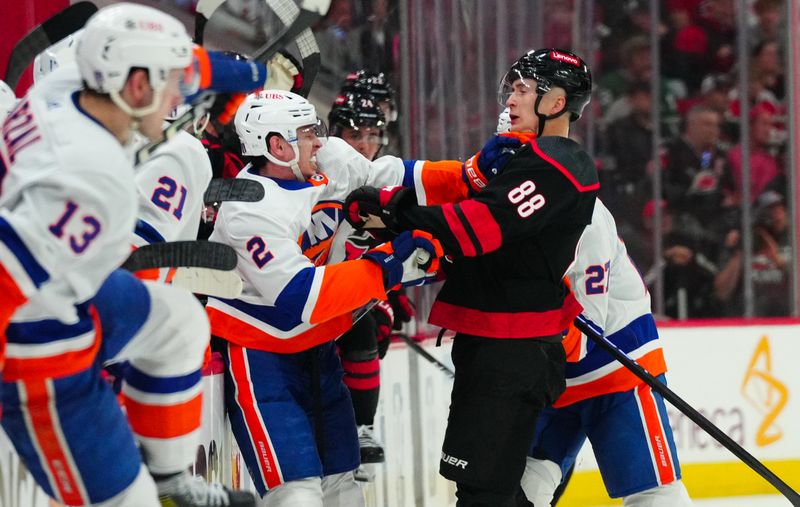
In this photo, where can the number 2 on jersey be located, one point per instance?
(596, 282)
(258, 249)
(163, 196)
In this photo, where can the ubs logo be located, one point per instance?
(765, 392)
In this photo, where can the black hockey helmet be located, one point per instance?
(552, 67)
(372, 83)
(355, 111)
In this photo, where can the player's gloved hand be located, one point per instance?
(412, 258)
(403, 308)
(479, 169)
(218, 72)
(281, 73)
(373, 208)
(384, 318)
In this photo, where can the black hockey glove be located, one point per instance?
(372, 208)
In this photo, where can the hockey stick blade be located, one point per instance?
(176, 254)
(311, 60)
(311, 11)
(586, 327)
(58, 27)
(211, 282)
(203, 12)
(221, 190)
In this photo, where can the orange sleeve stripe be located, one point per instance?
(164, 421)
(361, 279)
(443, 183)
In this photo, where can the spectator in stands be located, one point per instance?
(686, 57)
(336, 42)
(771, 262)
(769, 21)
(696, 178)
(768, 67)
(629, 152)
(688, 272)
(718, 19)
(715, 92)
(377, 42)
(765, 165)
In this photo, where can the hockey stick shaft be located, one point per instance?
(419, 349)
(689, 411)
(44, 35)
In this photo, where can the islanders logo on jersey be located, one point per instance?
(316, 241)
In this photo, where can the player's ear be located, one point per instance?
(275, 144)
(137, 88)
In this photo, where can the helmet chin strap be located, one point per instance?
(543, 118)
(292, 164)
(137, 113)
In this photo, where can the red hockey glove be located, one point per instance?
(403, 308)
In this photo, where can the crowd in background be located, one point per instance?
(701, 153)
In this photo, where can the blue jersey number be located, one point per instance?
(163, 196)
(258, 249)
(596, 282)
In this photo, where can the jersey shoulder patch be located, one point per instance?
(567, 156)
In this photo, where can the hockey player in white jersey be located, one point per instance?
(624, 419)
(67, 209)
(290, 411)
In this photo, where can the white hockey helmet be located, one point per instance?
(275, 112)
(7, 100)
(124, 36)
(57, 55)
(504, 122)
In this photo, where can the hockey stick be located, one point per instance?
(176, 254)
(419, 349)
(288, 12)
(586, 327)
(310, 12)
(311, 60)
(44, 35)
(211, 282)
(226, 189)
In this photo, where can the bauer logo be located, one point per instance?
(766, 393)
(561, 57)
(456, 462)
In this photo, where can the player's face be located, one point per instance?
(521, 104)
(366, 140)
(151, 125)
(308, 143)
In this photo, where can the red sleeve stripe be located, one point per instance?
(458, 230)
(564, 171)
(486, 228)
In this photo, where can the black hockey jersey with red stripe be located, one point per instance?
(512, 243)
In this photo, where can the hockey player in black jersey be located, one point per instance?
(511, 243)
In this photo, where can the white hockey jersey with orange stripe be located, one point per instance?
(170, 195)
(67, 209)
(288, 304)
(615, 298)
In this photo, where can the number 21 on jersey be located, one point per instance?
(597, 278)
